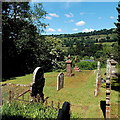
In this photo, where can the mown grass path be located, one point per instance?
(78, 90)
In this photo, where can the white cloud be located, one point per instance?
(71, 21)
(82, 13)
(53, 15)
(111, 17)
(75, 29)
(80, 23)
(69, 15)
(59, 30)
(99, 18)
(53, 30)
(48, 17)
(87, 30)
(50, 30)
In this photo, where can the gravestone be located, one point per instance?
(110, 72)
(98, 80)
(60, 81)
(69, 67)
(113, 67)
(76, 68)
(38, 84)
(108, 89)
(64, 113)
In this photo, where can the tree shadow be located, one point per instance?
(9, 117)
(5, 79)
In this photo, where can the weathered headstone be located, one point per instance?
(38, 84)
(113, 67)
(108, 88)
(110, 72)
(69, 67)
(98, 80)
(60, 81)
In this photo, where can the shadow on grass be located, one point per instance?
(103, 107)
(5, 79)
(12, 76)
(116, 84)
(7, 117)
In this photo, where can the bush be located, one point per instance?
(32, 111)
(59, 66)
(87, 65)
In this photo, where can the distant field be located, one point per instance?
(78, 90)
(107, 43)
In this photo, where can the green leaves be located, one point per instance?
(118, 30)
(32, 111)
(38, 13)
(86, 65)
(22, 48)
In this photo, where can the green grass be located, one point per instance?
(78, 90)
(106, 43)
(27, 79)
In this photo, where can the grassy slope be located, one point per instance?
(78, 90)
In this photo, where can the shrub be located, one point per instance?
(27, 111)
(59, 66)
(87, 65)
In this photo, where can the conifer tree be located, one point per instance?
(118, 30)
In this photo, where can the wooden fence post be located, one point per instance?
(52, 104)
(58, 105)
(10, 96)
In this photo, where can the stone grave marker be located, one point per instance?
(108, 89)
(60, 81)
(98, 80)
(113, 68)
(76, 68)
(110, 72)
(69, 67)
(64, 113)
(38, 84)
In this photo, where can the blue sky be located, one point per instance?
(74, 17)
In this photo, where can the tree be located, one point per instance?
(20, 37)
(118, 31)
(55, 51)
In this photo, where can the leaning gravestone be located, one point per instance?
(38, 84)
(60, 81)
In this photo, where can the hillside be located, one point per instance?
(104, 35)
